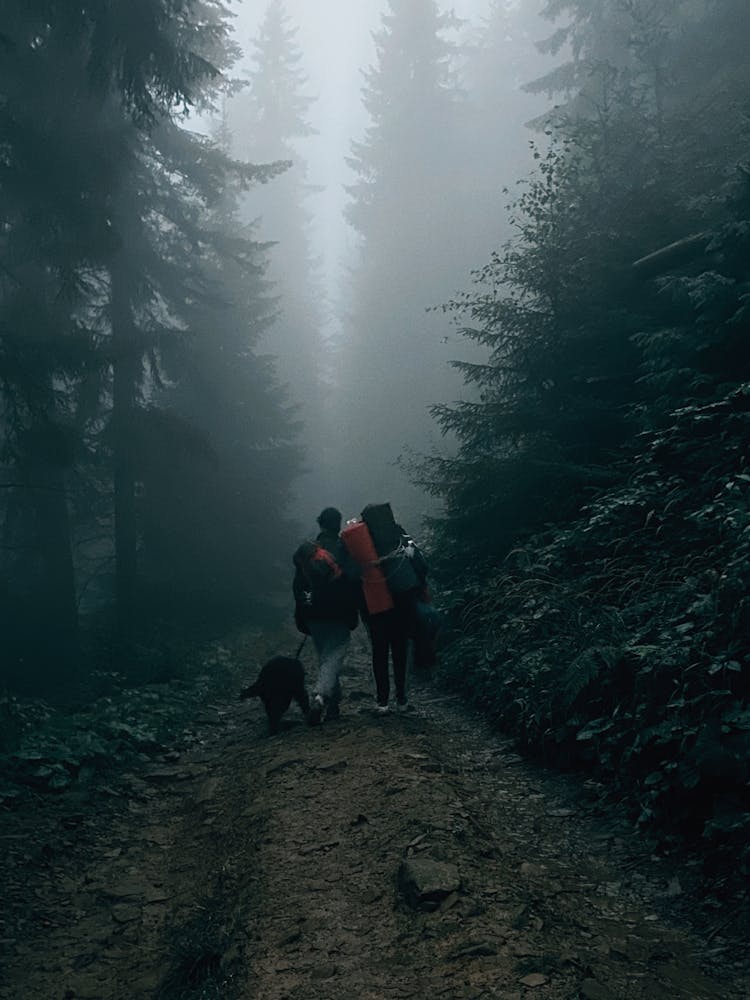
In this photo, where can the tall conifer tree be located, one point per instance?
(411, 240)
(269, 122)
(103, 249)
(77, 81)
(225, 422)
(498, 58)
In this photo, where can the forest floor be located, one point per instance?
(404, 856)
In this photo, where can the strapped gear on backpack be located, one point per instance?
(321, 587)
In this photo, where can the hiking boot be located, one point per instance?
(404, 706)
(315, 715)
(381, 709)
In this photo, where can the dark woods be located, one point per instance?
(602, 472)
(593, 531)
(142, 435)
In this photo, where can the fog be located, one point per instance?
(224, 257)
(335, 37)
(376, 413)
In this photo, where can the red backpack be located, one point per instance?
(317, 565)
(331, 594)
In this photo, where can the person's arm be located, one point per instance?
(302, 602)
(299, 588)
(416, 558)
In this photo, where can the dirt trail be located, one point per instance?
(265, 869)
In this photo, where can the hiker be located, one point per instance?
(390, 631)
(326, 608)
(394, 575)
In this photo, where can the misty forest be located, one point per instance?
(498, 278)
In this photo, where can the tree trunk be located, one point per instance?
(39, 607)
(126, 370)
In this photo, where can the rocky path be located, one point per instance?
(410, 856)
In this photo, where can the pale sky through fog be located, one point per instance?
(335, 38)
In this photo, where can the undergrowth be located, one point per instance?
(622, 643)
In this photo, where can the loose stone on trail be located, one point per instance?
(533, 980)
(478, 949)
(424, 882)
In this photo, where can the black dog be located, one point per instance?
(280, 680)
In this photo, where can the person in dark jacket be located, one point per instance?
(390, 631)
(325, 595)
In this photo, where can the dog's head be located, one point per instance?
(250, 692)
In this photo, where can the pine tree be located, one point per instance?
(411, 238)
(555, 309)
(59, 155)
(498, 59)
(268, 121)
(226, 422)
(152, 210)
(102, 193)
(550, 409)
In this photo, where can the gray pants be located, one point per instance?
(331, 641)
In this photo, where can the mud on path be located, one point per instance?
(410, 856)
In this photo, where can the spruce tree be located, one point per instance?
(268, 121)
(59, 153)
(411, 238)
(102, 192)
(215, 516)
(558, 306)
(497, 59)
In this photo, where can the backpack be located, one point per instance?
(328, 593)
(401, 561)
(317, 565)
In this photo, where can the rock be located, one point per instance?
(323, 972)
(325, 845)
(424, 882)
(282, 766)
(122, 890)
(335, 767)
(478, 949)
(207, 791)
(122, 913)
(533, 980)
(9, 795)
(163, 776)
(450, 901)
(673, 888)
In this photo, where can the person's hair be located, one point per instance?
(330, 519)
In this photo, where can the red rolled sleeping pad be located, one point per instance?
(359, 544)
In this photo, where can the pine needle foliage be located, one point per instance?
(597, 511)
